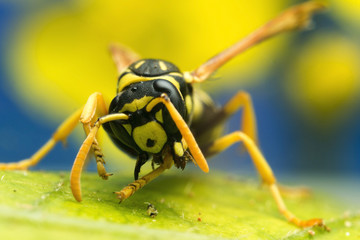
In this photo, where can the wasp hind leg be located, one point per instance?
(265, 172)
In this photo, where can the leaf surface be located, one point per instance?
(39, 205)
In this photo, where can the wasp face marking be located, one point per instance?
(150, 137)
(136, 104)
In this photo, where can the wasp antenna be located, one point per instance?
(186, 133)
(122, 56)
(297, 17)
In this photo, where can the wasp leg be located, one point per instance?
(243, 99)
(95, 107)
(264, 170)
(100, 162)
(60, 135)
(130, 189)
(297, 17)
(294, 191)
(85, 148)
(249, 127)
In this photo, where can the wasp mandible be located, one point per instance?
(157, 114)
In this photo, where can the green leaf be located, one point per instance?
(39, 205)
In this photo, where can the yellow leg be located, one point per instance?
(60, 135)
(265, 172)
(294, 191)
(243, 99)
(130, 189)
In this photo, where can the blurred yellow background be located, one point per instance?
(63, 48)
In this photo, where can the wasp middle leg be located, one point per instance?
(61, 133)
(94, 108)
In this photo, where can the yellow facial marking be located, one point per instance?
(131, 78)
(178, 149)
(162, 65)
(136, 104)
(139, 64)
(150, 137)
(159, 116)
(128, 128)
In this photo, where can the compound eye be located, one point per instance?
(164, 86)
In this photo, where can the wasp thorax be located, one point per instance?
(152, 67)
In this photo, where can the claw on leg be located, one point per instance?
(265, 172)
(102, 172)
(291, 217)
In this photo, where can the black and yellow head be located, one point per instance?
(148, 132)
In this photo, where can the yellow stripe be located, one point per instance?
(136, 104)
(139, 64)
(162, 65)
(177, 74)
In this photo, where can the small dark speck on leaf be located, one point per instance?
(199, 218)
(151, 210)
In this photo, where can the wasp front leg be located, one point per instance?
(94, 108)
(130, 189)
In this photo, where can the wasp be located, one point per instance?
(159, 115)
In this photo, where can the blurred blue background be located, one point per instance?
(304, 85)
